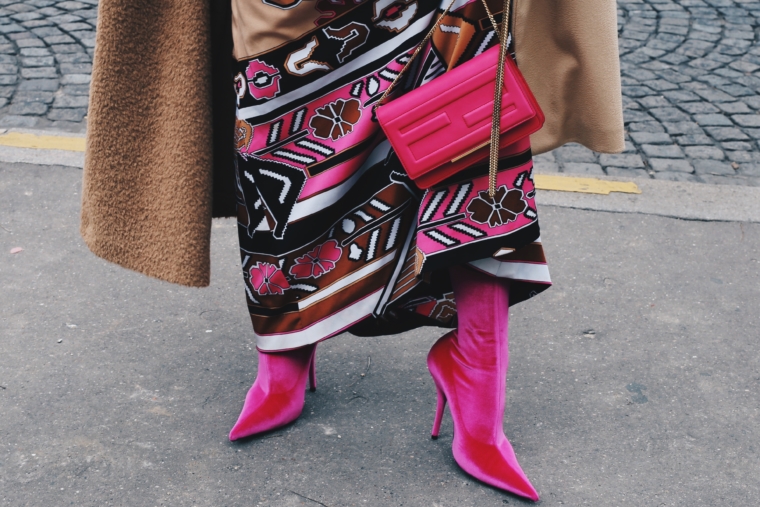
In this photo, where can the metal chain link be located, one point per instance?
(496, 120)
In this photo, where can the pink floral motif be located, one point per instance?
(267, 279)
(320, 260)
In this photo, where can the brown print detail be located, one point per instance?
(336, 119)
(452, 39)
(474, 14)
(445, 309)
(354, 35)
(391, 195)
(476, 11)
(299, 62)
(407, 279)
(498, 210)
(294, 321)
(243, 135)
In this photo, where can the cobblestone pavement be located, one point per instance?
(690, 68)
(691, 92)
(46, 51)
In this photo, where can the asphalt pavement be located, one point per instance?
(634, 381)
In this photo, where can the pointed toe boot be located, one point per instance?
(277, 396)
(469, 368)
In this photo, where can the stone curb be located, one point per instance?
(15, 155)
(675, 199)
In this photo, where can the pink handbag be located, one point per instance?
(447, 125)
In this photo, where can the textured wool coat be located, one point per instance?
(161, 118)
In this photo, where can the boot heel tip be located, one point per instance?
(312, 389)
(434, 437)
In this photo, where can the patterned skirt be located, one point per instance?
(334, 236)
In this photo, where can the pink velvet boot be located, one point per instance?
(277, 396)
(469, 367)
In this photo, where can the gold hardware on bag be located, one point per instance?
(470, 152)
(496, 121)
(496, 118)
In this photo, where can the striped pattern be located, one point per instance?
(333, 234)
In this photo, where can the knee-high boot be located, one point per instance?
(277, 396)
(469, 367)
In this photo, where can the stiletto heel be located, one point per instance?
(469, 367)
(440, 406)
(313, 371)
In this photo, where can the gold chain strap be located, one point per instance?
(496, 120)
(414, 55)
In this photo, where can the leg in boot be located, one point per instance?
(469, 367)
(277, 395)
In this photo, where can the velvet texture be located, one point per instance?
(469, 367)
(277, 396)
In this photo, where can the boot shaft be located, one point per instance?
(482, 317)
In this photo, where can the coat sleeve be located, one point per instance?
(148, 176)
(568, 52)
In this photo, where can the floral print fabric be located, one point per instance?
(333, 234)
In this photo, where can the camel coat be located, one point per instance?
(161, 118)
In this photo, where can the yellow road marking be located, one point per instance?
(542, 181)
(22, 140)
(583, 185)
